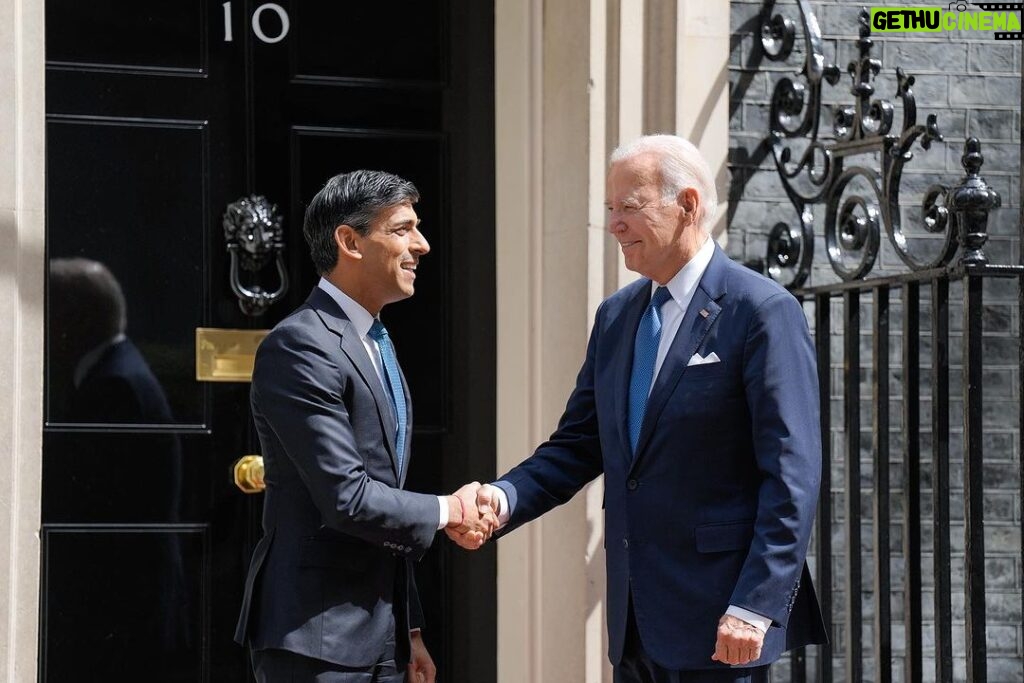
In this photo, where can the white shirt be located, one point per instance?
(682, 287)
(362, 321)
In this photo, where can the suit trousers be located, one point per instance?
(282, 666)
(637, 667)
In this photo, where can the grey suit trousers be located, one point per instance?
(282, 666)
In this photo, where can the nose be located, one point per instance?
(419, 244)
(615, 223)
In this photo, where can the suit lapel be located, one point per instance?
(628, 323)
(692, 330)
(334, 318)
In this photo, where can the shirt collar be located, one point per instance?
(357, 315)
(90, 359)
(683, 283)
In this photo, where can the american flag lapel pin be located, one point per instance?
(704, 313)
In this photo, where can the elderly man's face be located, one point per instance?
(648, 228)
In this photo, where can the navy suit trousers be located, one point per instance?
(637, 667)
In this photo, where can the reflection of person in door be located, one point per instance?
(110, 380)
(99, 377)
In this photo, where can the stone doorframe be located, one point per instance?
(572, 79)
(22, 163)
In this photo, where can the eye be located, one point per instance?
(625, 208)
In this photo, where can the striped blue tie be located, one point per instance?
(394, 384)
(645, 353)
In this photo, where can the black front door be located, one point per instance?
(159, 115)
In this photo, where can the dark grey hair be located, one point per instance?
(352, 199)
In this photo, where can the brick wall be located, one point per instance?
(972, 83)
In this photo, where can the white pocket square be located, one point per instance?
(698, 360)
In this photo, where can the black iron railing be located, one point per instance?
(819, 171)
(878, 292)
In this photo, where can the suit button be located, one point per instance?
(625, 543)
(632, 484)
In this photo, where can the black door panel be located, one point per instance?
(112, 35)
(155, 122)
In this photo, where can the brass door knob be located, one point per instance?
(248, 474)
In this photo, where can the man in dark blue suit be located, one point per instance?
(99, 377)
(698, 401)
(330, 595)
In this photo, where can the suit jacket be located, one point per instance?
(333, 568)
(121, 388)
(716, 506)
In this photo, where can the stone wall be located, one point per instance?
(972, 84)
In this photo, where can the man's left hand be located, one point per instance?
(421, 667)
(738, 642)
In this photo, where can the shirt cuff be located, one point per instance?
(503, 507)
(443, 519)
(752, 618)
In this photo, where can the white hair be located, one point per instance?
(682, 166)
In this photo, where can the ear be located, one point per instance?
(688, 200)
(348, 242)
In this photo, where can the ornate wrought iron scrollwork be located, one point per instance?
(852, 230)
(812, 167)
(795, 108)
(252, 230)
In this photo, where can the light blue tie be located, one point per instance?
(645, 353)
(394, 383)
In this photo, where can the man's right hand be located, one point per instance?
(470, 523)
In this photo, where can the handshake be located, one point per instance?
(472, 515)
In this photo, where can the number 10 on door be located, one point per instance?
(257, 22)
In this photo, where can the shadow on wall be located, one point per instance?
(742, 162)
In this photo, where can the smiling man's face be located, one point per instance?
(647, 226)
(391, 250)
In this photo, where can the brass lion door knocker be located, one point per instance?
(252, 230)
